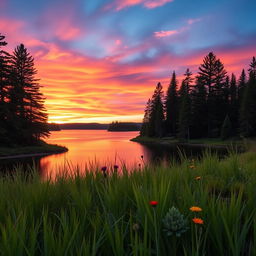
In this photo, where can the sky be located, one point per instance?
(100, 60)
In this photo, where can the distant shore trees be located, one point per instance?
(23, 118)
(209, 104)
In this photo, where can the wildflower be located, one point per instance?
(174, 223)
(104, 168)
(116, 167)
(192, 167)
(195, 209)
(198, 221)
(198, 178)
(135, 226)
(153, 203)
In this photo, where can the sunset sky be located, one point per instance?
(99, 60)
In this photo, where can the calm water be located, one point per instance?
(103, 147)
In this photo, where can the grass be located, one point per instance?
(43, 147)
(93, 215)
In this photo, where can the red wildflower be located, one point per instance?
(153, 203)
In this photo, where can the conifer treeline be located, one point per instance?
(23, 119)
(210, 104)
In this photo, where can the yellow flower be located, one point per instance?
(198, 221)
(195, 209)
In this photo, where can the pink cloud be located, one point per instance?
(150, 4)
(154, 4)
(118, 42)
(165, 33)
(63, 28)
(192, 21)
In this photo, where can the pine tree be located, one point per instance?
(199, 110)
(4, 96)
(241, 86)
(226, 130)
(185, 107)
(156, 117)
(171, 106)
(26, 100)
(145, 124)
(233, 102)
(248, 106)
(213, 75)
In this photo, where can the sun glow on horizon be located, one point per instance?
(102, 120)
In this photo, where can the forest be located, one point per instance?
(209, 104)
(23, 117)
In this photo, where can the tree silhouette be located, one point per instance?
(4, 95)
(226, 130)
(248, 106)
(26, 100)
(199, 110)
(233, 103)
(156, 116)
(171, 106)
(145, 124)
(212, 75)
(214, 106)
(185, 107)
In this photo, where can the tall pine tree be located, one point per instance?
(145, 124)
(241, 86)
(4, 95)
(156, 117)
(248, 106)
(199, 110)
(171, 106)
(26, 100)
(233, 103)
(185, 107)
(213, 75)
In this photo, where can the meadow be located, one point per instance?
(194, 207)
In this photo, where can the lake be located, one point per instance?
(98, 146)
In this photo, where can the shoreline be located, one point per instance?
(31, 151)
(215, 144)
(31, 155)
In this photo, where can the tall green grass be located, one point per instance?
(92, 215)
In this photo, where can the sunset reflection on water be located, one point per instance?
(92, 147)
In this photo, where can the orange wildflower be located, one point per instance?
(195, 209)
(198, 178)
(198, 221)
(192, 167)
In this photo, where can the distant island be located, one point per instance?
(112, 127)
(124, 126)
(83, 126)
